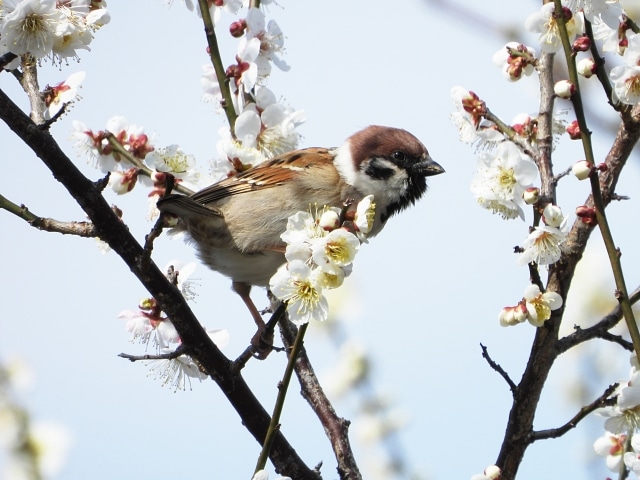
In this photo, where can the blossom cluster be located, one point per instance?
(49, 29)
(149, 325)
(507, 170)
(621, 442)
(265, 126)
(320, 250)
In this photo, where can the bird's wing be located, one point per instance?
(266, 175)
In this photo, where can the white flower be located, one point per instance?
(543, 245)
(301, 227)
(176, 372)
(271, 41)
(172, 160)
(337, 249)
(564, 89)
(608, 11)
(468, 118)
(501, 179)
(364, 217)
(63, 92)
(612, 447)
(626, 78)
(297, 285)
(545, 23)
(552, 215)
(33, 27)
(210, 87)
(539, 305)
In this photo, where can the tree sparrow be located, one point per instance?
(236, 223)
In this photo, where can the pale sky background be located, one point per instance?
(423, 295)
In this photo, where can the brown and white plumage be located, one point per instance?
(236, 223)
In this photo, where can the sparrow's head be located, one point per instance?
(389, 163)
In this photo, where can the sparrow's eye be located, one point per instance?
(398, 156)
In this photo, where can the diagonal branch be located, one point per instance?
(335, 427)
(602, 401)
(485, 354)
(196, 342)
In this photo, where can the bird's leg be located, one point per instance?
(262, 341)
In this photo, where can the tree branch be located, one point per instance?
(335, 427)
(196, 342)
(485, 354)
(602, 401)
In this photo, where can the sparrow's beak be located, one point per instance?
(428, 167)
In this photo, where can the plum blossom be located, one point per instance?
(298, 285)
(32, 27)
(516, 60)
(50, 29)
(544, 22)
(539, 305)
(263, 130)
(271, 41)
(319, 256)
(501, 178)
(469, 119)
(535, 307)
(612, 447)
(609, 11)
(543, 245)
(626, 78)
(64, 92)
(173, 160)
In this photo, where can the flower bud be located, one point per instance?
(493, 472)
(586, 67)
(581, 170)
(581, 44)
(587, 215)
(564, 89)
(574, 131)
(552, 215)
(123, 182)
(520, 312)
(238, 28)
(531, 195)
(507, 317)
(329, 220)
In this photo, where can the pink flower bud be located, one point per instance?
(586, 67)
(564, 89)
(123, 182)
(238, 28)
(581, 170)
(574, 131)
(587, 215)
(581, 44)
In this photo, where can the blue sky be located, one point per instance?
(422, 297)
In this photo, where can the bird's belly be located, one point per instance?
(251, 268)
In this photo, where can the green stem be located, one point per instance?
(218, 66)
(142, 168)
(613, 252)
(283, 386)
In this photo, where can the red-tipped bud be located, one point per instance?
(603, 167)
(531, 195)
(586, 67)
(238, 28)
(574, 130)
(581, 169)
(581, 44)
(587, 214)
(564, 89)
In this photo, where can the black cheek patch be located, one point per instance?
(377, 170)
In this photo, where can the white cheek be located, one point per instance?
(385, 191)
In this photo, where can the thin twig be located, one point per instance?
(512, 386)
(283, 386)
(80, 229)
(161, 356)
(603, 400)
